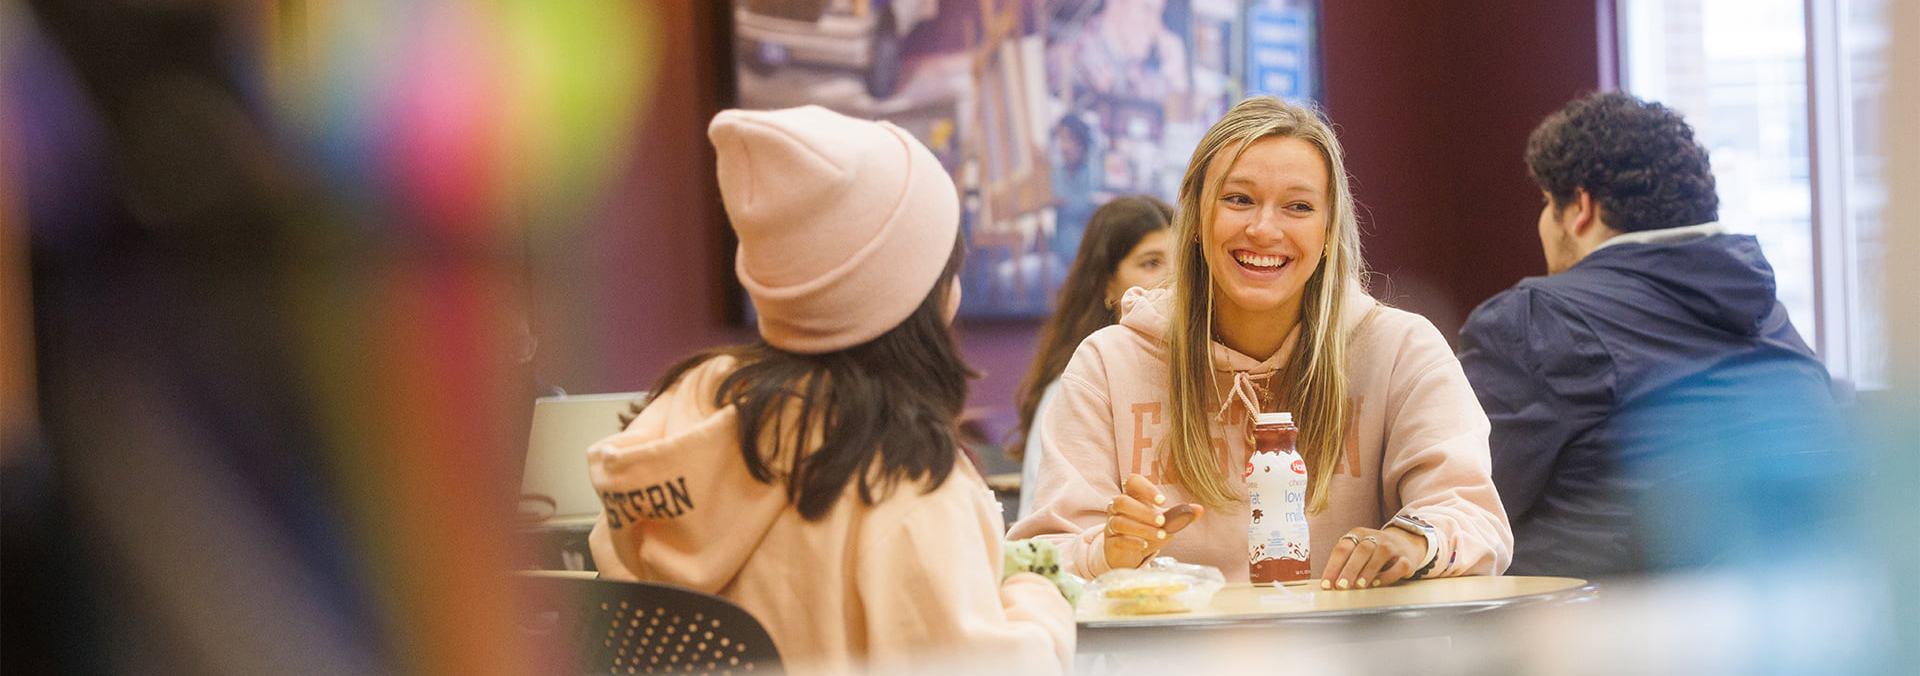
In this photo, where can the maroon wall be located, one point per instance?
(1433, 99)
(648, 283)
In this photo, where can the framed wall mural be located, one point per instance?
(1041, 109)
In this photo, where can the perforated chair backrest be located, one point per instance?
(616, 627)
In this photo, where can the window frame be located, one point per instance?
(1836, 331)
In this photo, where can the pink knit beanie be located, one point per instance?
(845, 224)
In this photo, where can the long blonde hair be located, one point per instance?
(1315, 377)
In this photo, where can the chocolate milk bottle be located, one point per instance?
(1277, 545)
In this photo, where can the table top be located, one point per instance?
(1241, 603)
(1003, 482)
(569, 574)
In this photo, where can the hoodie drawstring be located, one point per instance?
(1243, 391)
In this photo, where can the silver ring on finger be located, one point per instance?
(1111, 509)
(1371, 539)
(1110, 531)
(1350, 536)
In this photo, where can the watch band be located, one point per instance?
(1414, 524)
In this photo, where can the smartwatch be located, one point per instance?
(1418, 526)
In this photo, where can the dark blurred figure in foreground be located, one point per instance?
(1653, 407)
(241, 463)
(176, 518)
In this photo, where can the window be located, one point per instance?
(1785, 95)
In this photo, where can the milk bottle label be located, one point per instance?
(1277, 545)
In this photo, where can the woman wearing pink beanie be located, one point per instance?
(814, 477)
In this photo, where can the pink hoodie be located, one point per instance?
(1418, 444)
(914, 577)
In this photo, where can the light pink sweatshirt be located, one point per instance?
(1418, 444)
(912, 580)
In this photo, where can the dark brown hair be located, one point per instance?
(891, 402)
(1112, 233)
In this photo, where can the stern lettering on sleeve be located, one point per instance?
(664, 500)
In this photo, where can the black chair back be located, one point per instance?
(614, 627)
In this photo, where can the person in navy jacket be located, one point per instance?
(1653, 407)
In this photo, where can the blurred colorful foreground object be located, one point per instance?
(279, 318)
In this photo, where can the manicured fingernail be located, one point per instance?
(1161, 534)
(1361, 583)
(1326, 585)
(1159, 499)
(1341, 584)
(1160, 520)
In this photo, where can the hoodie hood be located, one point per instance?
(1149, 312)
(1146, 311)
(679, 503)
(1723, 280)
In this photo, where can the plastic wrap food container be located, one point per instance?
(1163, 585)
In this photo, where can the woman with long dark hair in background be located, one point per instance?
(1125, 246)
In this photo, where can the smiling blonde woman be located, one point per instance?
(1266, 313)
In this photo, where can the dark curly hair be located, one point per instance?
(1637, 159)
